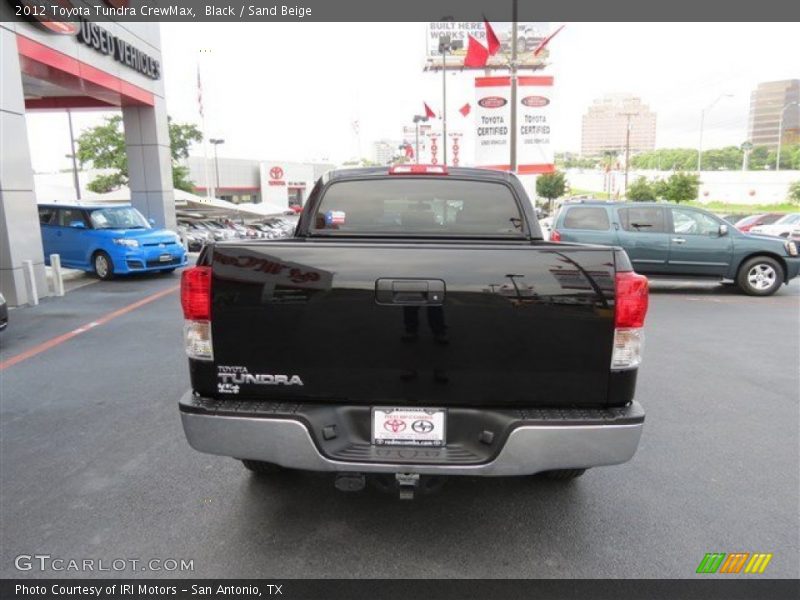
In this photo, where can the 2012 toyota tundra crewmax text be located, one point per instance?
(416, 324)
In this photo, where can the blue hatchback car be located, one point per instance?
(107, 240)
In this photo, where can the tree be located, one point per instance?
(794, 192)
(680, 187)
(103, 147)
(641, 190)
(551, 186)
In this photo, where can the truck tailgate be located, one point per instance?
(394, 323)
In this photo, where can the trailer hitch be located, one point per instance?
(407, 483)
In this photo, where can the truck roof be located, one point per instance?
(464, 172)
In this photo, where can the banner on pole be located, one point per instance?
(534, 124)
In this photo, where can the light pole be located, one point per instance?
(512, 158)
(74, 157)
(417, 120)
(702, 120)
(628, 116)
(446, 44)
(216, 142)
(780, 133)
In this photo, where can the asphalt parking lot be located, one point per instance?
(94, 464)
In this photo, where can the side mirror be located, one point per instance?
(723, 229)
(151, 221)
(78, 224)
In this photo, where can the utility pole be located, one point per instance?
(627, 146)
(513, 65)
(74, 157)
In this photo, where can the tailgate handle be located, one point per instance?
(413, 292)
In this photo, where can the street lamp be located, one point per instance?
(417, 120)
(780, 133)
(74, 157)
(702, 119)
(215, 143)
(446, 44)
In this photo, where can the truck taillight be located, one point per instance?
(196, 303)
(631, 300)
(555, 235)
(196, 293)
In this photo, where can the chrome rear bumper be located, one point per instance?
(528, 449)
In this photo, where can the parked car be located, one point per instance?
(781, 228)
(197, 231)
(744, 225)
(269, 231)
(426, 329)
(3, 313)
(219, 231)
(675, 240)
(107, 240)
(190, 239)
(734, 217)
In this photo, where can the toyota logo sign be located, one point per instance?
(276, 173)
(535, 101)
(394, 425)
(492, 102)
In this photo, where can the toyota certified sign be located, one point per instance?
(492, 102)
(535, 101)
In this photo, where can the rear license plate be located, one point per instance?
(408, 426)
(165, 258)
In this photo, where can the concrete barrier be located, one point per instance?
(30, 282)
(58, 277)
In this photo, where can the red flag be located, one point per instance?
(546, 41)
(491, 39)
(477, 55)
(464, 110)
(428, 112)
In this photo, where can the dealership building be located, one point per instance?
(54, 66)
(276, 184)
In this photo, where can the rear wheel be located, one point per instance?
(760, 276)
(103, 266)
(260, 467)
(563, 474)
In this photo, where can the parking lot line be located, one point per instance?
(60, 339)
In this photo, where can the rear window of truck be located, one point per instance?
(419, 206)
(587, 217)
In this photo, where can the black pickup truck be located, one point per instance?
(416, 324)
